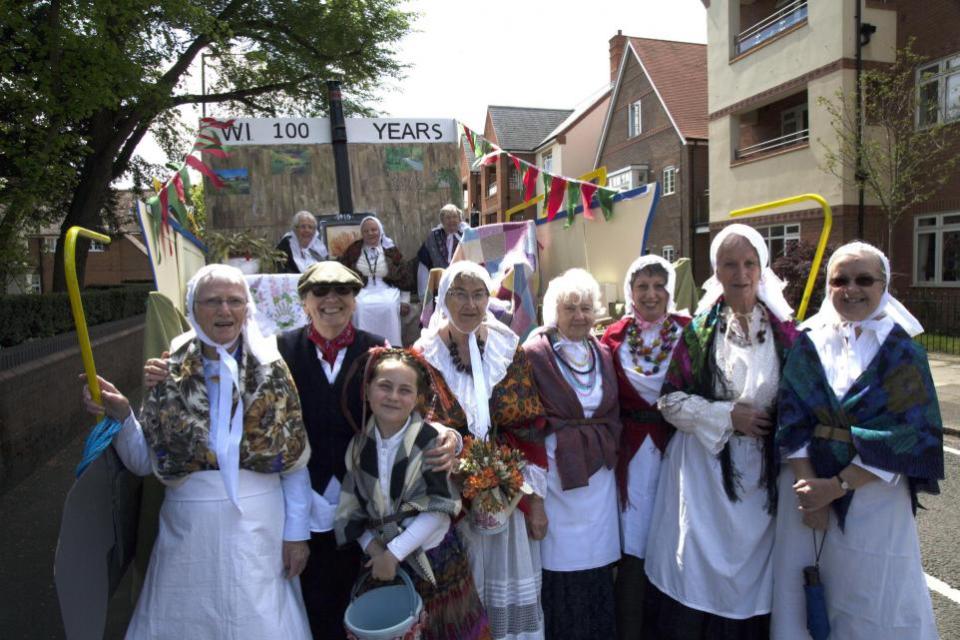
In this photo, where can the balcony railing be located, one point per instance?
(781, 20)
(775, 143)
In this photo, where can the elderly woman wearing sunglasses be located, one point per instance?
(860, 424)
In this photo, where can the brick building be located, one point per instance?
(769, 62)
(656, 131)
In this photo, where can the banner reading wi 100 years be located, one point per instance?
(402, 169)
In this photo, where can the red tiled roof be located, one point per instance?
(679, 72)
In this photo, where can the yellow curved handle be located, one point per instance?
(76, 305)
(821, 244)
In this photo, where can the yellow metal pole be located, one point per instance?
(76, 305)
(821, 244)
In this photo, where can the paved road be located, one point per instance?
(30, 520)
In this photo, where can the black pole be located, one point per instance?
(859, 141)
(341, 161)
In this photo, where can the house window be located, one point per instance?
(794, 120)
(938, 92)
(97, 247)
(938, 249)
(492, 188)
(547, 162)
(629, 177)
(32, 283)
(669, 181)
(668, 253)
(779, 237)
(514, 179)
(634, 124)
(50, 245)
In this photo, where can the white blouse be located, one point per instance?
(372, 263)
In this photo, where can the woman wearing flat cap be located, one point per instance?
(322, 357)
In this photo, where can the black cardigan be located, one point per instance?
(328, 429)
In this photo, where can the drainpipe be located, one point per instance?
(864, 31)
(341, 161)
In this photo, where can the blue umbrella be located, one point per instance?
(818, 622)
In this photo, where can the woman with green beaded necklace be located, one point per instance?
(578, 388)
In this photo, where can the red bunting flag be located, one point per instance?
(558, 187)
(587, 189)
(516, 162)
(530, 182)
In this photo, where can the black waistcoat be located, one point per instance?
(327, 427)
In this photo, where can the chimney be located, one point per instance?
(617, 45)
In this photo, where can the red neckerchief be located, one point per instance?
(330, 348)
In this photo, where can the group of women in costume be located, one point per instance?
(683, 472)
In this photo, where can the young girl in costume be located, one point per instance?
(397, 509)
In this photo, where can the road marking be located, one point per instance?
(955, 452)
(942, 588)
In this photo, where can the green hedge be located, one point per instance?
(30, 316)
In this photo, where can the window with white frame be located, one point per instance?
(938, 92)
(669, 180)
(779, 237)
(546, 162)
(50, 245)
(514, 179)
(794, 120)
(97, 247)
(668, 253)
(629, 177)
(32, 284)
(634, 122)
(937, 249)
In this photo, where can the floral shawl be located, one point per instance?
(890, 417)
(693, 370)
(176, 418)
(413, 487)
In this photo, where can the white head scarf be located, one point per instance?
(483, 387)
(228, 430)
(312, 253)
(638, 265)
(385, 242)
(888, 307)
(770, 288)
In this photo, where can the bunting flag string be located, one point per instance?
(556, 189)
(175, 192)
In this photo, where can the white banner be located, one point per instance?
(265, 131)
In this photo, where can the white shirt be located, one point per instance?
(427, 529)
(131, 445)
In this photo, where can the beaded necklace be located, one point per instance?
(739, 337)
(581, 374)
(647, 359)
(458, 363)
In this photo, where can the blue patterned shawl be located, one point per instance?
(891, 413)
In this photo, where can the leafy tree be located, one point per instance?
(900, 163)
(81, 83)
(794, 267)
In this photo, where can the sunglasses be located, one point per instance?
(321, 290)
(864, 281)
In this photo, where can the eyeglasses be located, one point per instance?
(864, 281)
(215, 303)
(322, 290)
(460, 296)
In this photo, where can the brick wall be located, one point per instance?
(40, 407)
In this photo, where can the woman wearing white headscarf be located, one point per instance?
(708, 565)
(302, 244)
(860, 423)
(486, 388)
(223, 431)
(378, 261)
(642, 343)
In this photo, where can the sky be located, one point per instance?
(528, 53)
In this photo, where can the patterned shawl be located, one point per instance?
(176, 418)
(693, 370)
(413, 487)
(890, 416)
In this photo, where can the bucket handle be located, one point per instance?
(404, 577)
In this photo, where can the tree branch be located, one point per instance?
(239, 94)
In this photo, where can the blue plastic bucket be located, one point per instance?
(385, 612)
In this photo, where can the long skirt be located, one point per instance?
(378, 311)
(579, 605)
(630, 590)
(667, 619)
(216, 573)
(506, 570)
(871, 572)
(454, 611)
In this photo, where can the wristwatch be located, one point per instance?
(844, 484)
